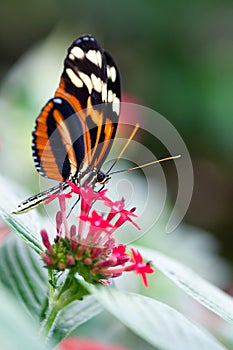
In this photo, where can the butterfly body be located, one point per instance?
(75, 129)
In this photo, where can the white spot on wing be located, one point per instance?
(77, 52)
(108, 72)
(104, 92)
(71, 56)
(87, 81)
(97, 83)
(110, 96)
(115, 101)
(116, 105)
(92, 55)
(113, 74)
(73, 77)
(57, 100)
(99, 57)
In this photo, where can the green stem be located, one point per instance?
(48, 324)
(49, 312)
(58, 299)
(48, 297)
(44, 308)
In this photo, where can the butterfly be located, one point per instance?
(75, 129)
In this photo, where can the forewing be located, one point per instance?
(111, 112)
(91, 81)
(78, 125)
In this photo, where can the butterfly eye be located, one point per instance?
(102, 178)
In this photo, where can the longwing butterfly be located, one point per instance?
(75, 129)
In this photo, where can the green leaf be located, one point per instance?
(74, 315)
(157, 323)
(110, 330)
(71, 306)
(197, 287)
(17, 329)
(22, 230)
(23, 273)
(25, 225)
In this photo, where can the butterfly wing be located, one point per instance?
(58, 144)
(109, 111)
(76, 128)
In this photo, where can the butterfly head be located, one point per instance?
(102, 178)
(90, 177)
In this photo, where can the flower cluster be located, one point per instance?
(89, 247)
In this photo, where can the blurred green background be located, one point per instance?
(175, 57)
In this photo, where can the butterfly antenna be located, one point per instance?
(136, 127)
(147, 164)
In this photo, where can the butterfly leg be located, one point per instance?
(74, 205)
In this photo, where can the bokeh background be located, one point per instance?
(175, 57)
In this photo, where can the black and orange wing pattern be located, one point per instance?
(75, 129)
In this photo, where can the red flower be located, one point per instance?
(125, 216)
(97, 221)
(117, 258)
(140, 267)
(118, 207)
(90, 248)
(87, 194)
(120, 254)
(46, 242)
(61, 196)
(61, 216)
